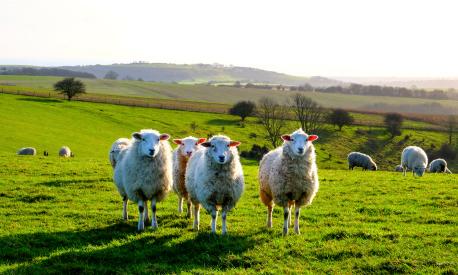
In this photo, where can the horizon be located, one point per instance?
(301, 38)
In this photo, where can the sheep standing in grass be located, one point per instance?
(439, 165)
(116, 148)
(65, 151)
(30, 151)
(414, 158)
(357, 159)
(186, 147)
(214, 179)
(144, 172)
(288, 177)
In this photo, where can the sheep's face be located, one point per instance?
(299, 142)
(189, 145)
(220, 149)
(149, 141)
(419, 170)
(373, 167)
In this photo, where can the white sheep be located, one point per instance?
(439, 165)
(116, 148)
(214, 179)
(288, 177)
(357, 159)
(186, 147)
(27, 151)
(414, 158)
(399, 168)
(65, 151)
(144, 172)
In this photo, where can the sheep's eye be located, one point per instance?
(143, 139)
(213, 146)
(292, 139)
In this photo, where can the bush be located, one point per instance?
(243, 109)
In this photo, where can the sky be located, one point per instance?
(386, 38)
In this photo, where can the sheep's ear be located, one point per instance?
(201, 140)
(164, 137)
(177, 141)
(206, 144)
(286, 137)
(137, 136)
(312, 137)
(234, 143)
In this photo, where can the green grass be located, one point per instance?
(64, 215)
(208, 93)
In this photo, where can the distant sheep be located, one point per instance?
(288, 177)
(414, 158)
(214, 179)
(29, 151)
(439, 165)
(398, 168)
(45, 153)
(357, 159)
(65, 151)
(116, 148)
(186, 147)
(144, 172)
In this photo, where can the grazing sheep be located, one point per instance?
(414, 158)
(398, 168)
(357, 159)
(116, 148)
(65, 151)
(187, 146)
(45, 153)
(288, 177)
(214, 179)
(439, 165)
(30, 151)
(144, 172)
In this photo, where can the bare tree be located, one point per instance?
(451, 127)
(309, 113)
(273, 118)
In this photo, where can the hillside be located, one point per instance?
(198, 73)
(407, 82)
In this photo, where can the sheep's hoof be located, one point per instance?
(285, 231)
(297, 231)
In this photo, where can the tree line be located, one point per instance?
(45, 72)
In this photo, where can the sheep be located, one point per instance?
(439, 165)
(144, 172)
(65, 151)
(45, 153)
(30, 151)
(357, 159)
(116, 148)
(414, 158)
(398, 168)
(214, 179)
(288, 177)
(186, 147)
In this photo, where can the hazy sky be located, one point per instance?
(328, 38)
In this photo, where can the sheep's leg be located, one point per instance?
(223, 216)
(180, 205)
(188, 212)
(290, 210)
(285, 220)
(124, 208)
(153, 213)
(196, 216)
(296, 219)
(404, 170)
(141, 222)
(269, 216)
(214, 217)
(146, 212)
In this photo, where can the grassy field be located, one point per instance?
(64, 215)
(209, 93)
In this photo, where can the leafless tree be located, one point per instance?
(309, 113)
(273, 118)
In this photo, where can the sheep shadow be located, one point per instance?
(88, 252)
(42, 100)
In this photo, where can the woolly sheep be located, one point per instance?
(439, 165)
(186, 147)
(288, 177)
(27, 151)
(357, 159)
(144, 172)
(214, 179)
(116, 148)
(414, 158)
(398, 168)
(65, 151)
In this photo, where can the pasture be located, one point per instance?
(64, 215)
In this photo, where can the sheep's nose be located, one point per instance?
(151, 152)
(189, 153)
(221, 158)
(301, 150)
